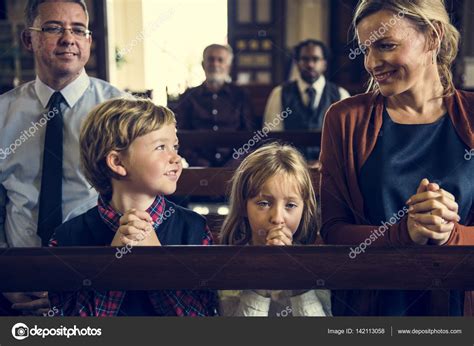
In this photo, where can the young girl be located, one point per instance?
(272, 202)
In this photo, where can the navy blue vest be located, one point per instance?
(181, 227)
(302, 117)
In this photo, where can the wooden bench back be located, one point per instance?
(240, 267)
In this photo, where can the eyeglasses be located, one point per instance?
(307, 59)
(77, 31)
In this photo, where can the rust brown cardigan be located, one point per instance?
(349, 135)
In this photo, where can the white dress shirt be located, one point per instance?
(250, 303)
(22, 134)
(274, 106)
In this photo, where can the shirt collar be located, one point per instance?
(318, 85)
(71, 92)
(111, 217)
(205, 90)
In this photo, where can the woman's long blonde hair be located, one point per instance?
(254, 171)
(423, 14)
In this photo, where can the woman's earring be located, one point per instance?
(434, 58)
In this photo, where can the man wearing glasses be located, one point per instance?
(305, 100)
(39, 132)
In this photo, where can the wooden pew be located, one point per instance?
(214, 182)
(235, 267)
(236, 139)
(258, 94)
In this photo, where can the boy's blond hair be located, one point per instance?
(255, 170)
(114, 125)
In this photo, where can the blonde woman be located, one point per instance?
(396, 156)
(272, 202)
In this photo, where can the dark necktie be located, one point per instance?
(311, 96)
(50, 199)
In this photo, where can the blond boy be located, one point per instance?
(129, 151)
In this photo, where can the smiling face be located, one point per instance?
(399, 60)
(152, 163)
(279, 203)
(59, 56)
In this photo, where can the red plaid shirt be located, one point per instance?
(108, 303)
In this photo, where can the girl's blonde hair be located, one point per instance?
(423, 14)
(254, 171)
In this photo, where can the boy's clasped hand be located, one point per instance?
(136, 228)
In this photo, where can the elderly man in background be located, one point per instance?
(39, 149)
(216, 104)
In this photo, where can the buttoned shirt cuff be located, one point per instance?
(253, 304)
(307, 304)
